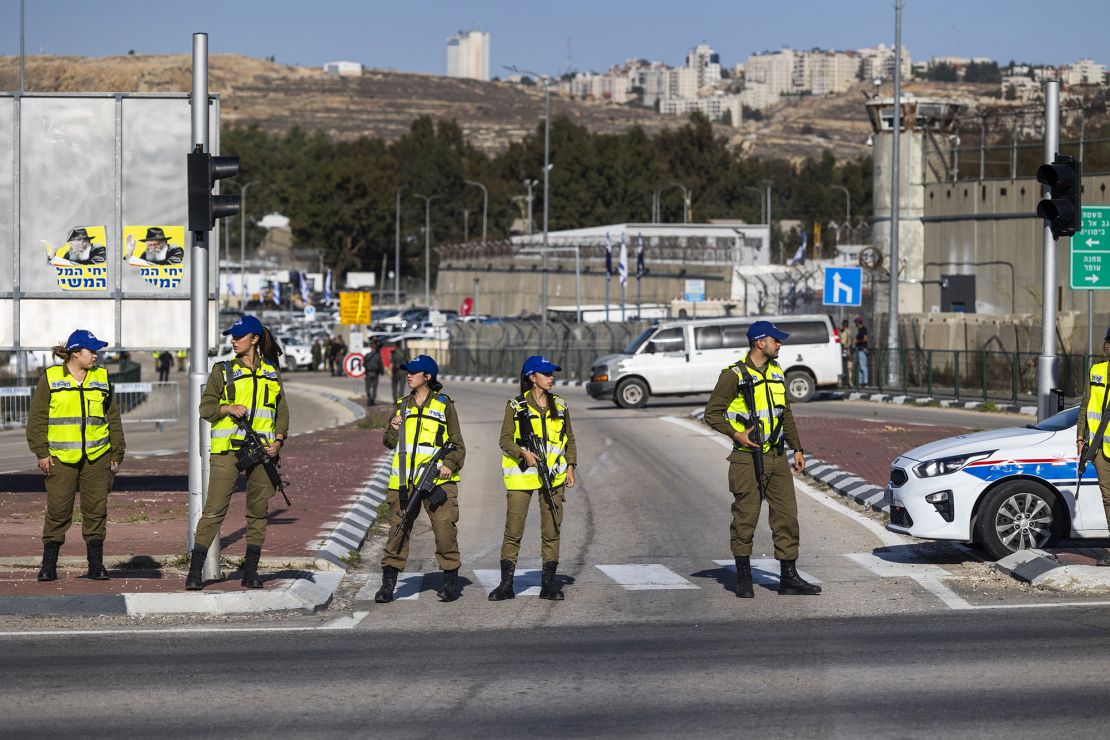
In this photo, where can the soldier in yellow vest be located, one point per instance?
(728, 413)
(1094, 408)
(243, 392)
(550, 421)
(74, 429)
(422, 422)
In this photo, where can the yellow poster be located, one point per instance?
(81, 262)
(157, 252)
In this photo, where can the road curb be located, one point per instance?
(1044, 570)
(349, 534)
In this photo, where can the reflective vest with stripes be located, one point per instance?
(770, 401)
(78, 425)
(1096, 403)
(550, 427)
(423, 431)
(258, 390)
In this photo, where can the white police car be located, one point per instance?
(1006, 489)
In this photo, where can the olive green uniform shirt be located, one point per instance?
(725, 392)
(38, 419)
(212, 399)
(508, 432)
(453, 460)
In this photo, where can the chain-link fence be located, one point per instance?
(499, 349)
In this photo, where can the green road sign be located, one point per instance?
(1090, 251)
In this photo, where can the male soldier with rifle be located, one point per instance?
(749, 405)
(1093, 416)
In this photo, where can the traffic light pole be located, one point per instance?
(1046, 363)
(198, 351)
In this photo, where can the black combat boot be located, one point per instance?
(450, 589)
(49, 569)
(549, 587)
(195, 580)
(250, 567)
(94, 550)
(791, 584)
(505, 589)
(744, 578)
(389, 582)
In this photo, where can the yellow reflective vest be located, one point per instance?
(550, 427)
(770, 401)
(78, 424)
(1096, 404)
(257, 389)
(423, 431)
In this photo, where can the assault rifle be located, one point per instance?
(755, 434)
(530, 441)
(424, 488)
(253, 452)
(1090, 450)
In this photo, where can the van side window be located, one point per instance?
(707, 337)
(805, 332)
(667, 340)
(735, 336)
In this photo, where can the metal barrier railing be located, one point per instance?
(966, 374)
(158, 402)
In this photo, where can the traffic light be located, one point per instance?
(204, 207)
(1062, 206)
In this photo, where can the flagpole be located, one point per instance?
(608, 272)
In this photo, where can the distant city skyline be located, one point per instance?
(590, 36)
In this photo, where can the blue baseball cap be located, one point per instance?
(538, 364)
(421, 364)
(761, 329)
(243, 326)
(84, 339)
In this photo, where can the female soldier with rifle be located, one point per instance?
(423, 423)
(539, 456)
(245, 393)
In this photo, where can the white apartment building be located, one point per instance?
(1084, 72)
(682, 82)
(833, 71)
(878, 61)
(612, 86)
(713, 107)
(707, 63)
(1025, 87)
(468, 55)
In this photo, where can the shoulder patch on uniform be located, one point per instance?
(444, 398)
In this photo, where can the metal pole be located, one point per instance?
(982, 146)
(198, 304)
(1046, 363)
(485, 205)
(397, 247)
(22, 77)
(427, 245)
(477, 286)
(528, 184)
(1013, 150)
(546, 200)
(770, 230)
(243, 244)
(895, 224)
(577, 286)
(1090, 321)
(847, 207)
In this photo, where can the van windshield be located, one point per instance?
(636, 343)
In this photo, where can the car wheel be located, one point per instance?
(632, 393)
(1020, 515)
(800, 386)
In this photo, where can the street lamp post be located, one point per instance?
(485, 205)
(848, 204)
(762, 204)
(243, 243)
(397, 248)
(427, 245)
(530, 184)
(657, 201)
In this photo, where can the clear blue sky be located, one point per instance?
(410, 34)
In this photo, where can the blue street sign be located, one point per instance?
(695, 290)
(843, 286)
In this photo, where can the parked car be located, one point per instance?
(1005, 489)
(297, 353)
(681, 358)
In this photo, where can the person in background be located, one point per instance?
(74, 429)
(397, 361)
(165, 362)
(861, 351)
(372, 364)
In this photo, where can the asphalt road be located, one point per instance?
(908, 640)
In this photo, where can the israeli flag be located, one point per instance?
(304, 288)
(276, 290)
(639, 256)
(622, 264)
(799, 257)
(608, 256)
(231, 286)
(327, 289)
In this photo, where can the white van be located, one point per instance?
(681, 358)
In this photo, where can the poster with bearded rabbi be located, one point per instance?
(81, 262)
(157, 252)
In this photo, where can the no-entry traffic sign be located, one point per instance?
(353, 367)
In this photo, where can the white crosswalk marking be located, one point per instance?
(652, 577)
(765, 571)
(525, 582)
(408, 587)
